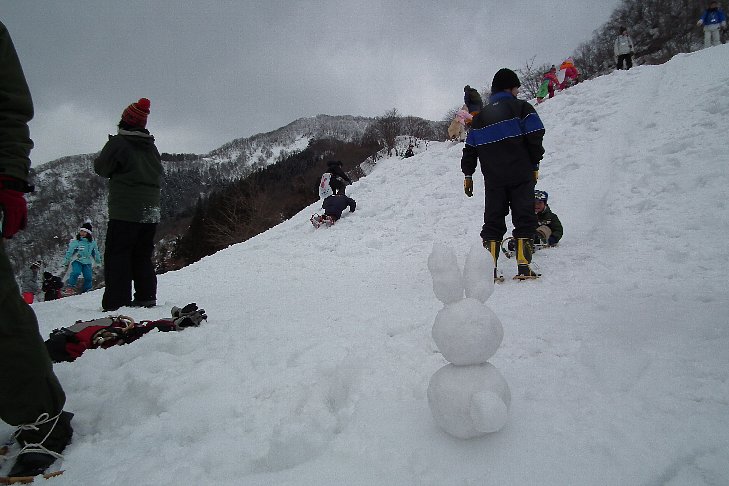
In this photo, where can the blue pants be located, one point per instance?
(77, 269)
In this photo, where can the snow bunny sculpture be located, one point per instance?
(468, 397)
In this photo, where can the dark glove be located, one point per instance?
(14, 207)
(468, 186)
(63, 345)
(177, 312)
(552, 241)
(188, 316)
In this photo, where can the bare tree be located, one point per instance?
(387, 127)
(531, 77)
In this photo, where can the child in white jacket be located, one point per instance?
(624, 49)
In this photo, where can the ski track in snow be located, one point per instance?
(314, 364)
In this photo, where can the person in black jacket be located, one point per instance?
(132, 163)
(336, 204)
(339, 179)
(52, 285)
(506, 137)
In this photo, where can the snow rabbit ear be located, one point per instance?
(447, 276)
(477, 274)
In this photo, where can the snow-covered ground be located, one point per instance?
(313, 366)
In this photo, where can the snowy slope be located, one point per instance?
(313, 366)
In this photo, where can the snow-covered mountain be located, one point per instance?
(68, 191)
(313, 366)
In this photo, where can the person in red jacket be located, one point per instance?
(571, 74)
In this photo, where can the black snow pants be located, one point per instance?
(518, 197)
(128, 258)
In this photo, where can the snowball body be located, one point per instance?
(467, 332)
(469, 401)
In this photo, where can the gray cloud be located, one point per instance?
(216, 70)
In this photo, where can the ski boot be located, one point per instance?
(493, 247)
(42, 443)
(523, 259)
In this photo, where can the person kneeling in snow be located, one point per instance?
(549, 229)
(335, 204)
(68, 343)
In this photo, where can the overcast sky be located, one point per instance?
(216, 70)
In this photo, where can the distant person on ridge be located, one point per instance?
(132, 163)
(571, 74)
(713, 20)
(549, 83)
(624, 50)
(506, 138)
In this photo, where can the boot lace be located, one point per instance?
(42, 419)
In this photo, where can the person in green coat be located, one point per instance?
(32, 397)
(549, 229)
(132, 163)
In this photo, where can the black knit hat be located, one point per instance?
(504, 79)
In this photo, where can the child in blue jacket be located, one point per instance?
(82, 251)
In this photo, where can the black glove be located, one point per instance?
(177, 312)
(188, 316)
(56, 345)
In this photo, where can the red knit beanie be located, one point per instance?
(135, 115)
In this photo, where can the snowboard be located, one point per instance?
(325, 187)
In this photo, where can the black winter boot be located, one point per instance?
(493, 247)
(42, 443)
(523, 259)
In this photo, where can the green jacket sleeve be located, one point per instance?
(556, 227)
(16, 110)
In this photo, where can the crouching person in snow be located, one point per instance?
(52, 285)
(32, 398)
(335, 204)
(68, 343)
(549, 227)
(82, 252)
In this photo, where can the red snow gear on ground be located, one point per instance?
(68, 343)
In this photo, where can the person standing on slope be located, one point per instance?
(82, 252)
(32, 397)
(506, 138)
(713, 20)
(623, 49)
(132, 163)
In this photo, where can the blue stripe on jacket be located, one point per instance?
(511, 128)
